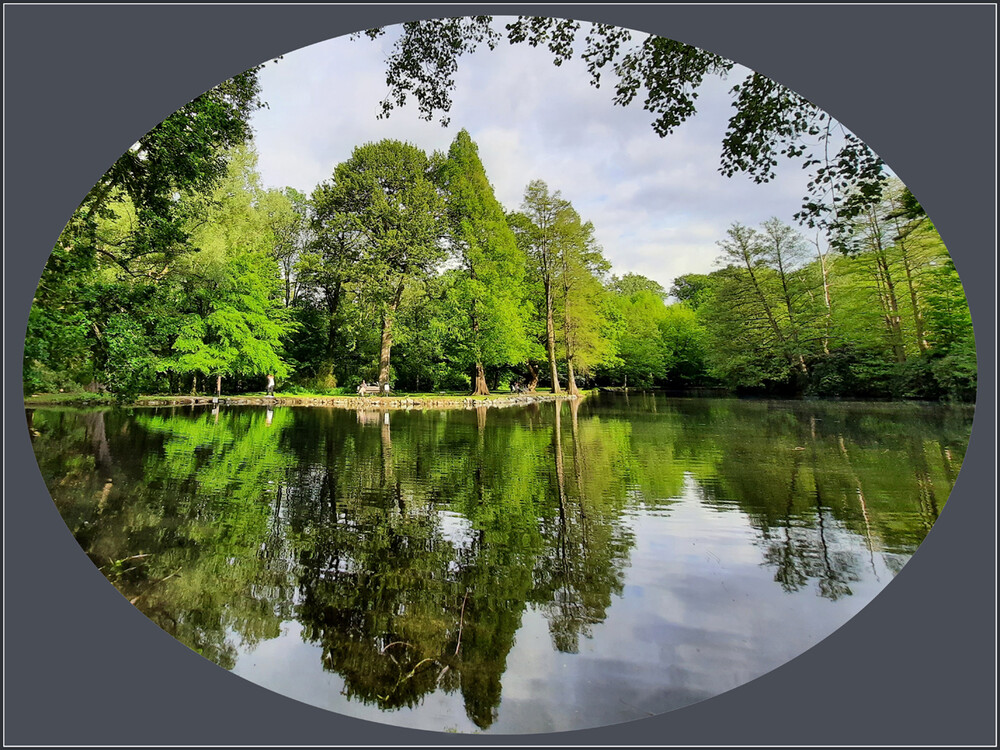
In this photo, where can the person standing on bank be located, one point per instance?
(270, 386)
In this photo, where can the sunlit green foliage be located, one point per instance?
(489, 289)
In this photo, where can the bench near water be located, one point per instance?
(370, 390)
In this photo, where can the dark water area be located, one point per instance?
(550, 567)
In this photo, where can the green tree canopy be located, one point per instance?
(385, 201)
(493, 265)
(769, 122)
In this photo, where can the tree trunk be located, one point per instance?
(218, 385)
(332, 307)
(532, 378)
(383, 360)
(480, 387)
(550, 335)
(892, 317)
(918, 318)
(826, 296)
(792, 329)
(570, 377)
(387, 320)
(770, 316)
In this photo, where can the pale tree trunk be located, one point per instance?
(768, 312)
(218, 385)
(918, 318)
(792, 329)
(826, 295)
(890, 306)
(892, 316)
(550, 335)
(570, 377)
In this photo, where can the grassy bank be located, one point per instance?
(447, 400)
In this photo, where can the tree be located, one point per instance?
(187, 153)
(288, 218)
(691, 288)
(391, 209)
(785, 252)
(240, 326)
(683, 341)
(537, 227)
(581, 266)
(492, 264)
(328, 265)
(748, 249)
(870, 237)
(770, 121)
(630, 283)
(639, 343)
(127, 233)
(235, 317)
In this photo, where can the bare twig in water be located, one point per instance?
(461, 623)
(419, 664)
(648, 713)
(394, 643)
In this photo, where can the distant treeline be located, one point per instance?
(180, 272)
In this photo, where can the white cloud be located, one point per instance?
(658, 204)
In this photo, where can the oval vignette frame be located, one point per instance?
(777, 685)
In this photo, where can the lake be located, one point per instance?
(520, 569)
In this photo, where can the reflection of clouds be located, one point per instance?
(455, 529)
(699, 615)
(690, 608)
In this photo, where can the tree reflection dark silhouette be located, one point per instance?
(410, 546)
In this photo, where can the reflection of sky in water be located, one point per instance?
(293, 668)
(455, 529)
(634, 560)
(699, 615)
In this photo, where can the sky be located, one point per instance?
(658, 205)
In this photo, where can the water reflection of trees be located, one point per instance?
(421, 582)
(824, 511)
(184, 539)
(410, 545)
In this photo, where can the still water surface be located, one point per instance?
(525, 569)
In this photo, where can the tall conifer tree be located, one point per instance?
(492, 265)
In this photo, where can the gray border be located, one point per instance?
(82, 666)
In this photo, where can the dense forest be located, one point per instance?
(181, 273)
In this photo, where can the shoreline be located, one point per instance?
(356, 403)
